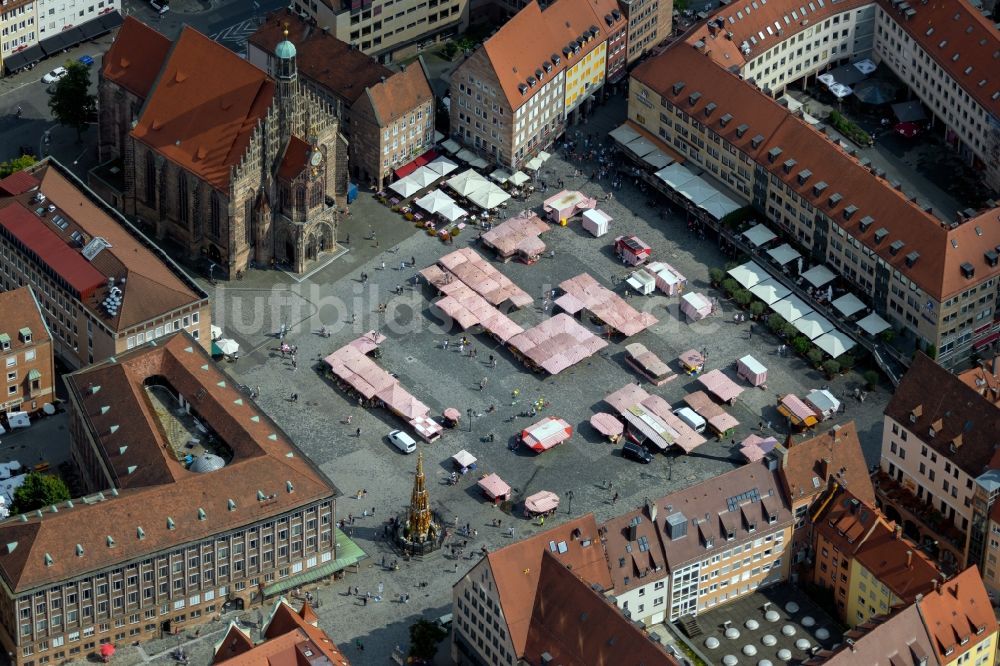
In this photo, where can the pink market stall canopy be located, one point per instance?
(518, 236)
(751, 370)
(566, 204)
(480, 276)
(587, 293)
(754, 447)
(719, 419)
(546, 434)
(721, 386)
(607, 424)
(650, 417)
(542, 502)
(668, 279)
(556, 344)
(696, 306)
(495, 488)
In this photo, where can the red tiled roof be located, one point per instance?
(961, 41)
(21, 310)
(201, 117)
(897, 563)
(577, 626)
(958, 616)
(837, 453)
(17, 183)
(289, 640)
(135, 57)
(295, 159)
(516, 569)
(401, 93)
(165, 504)
(769, 126)
(520, 47)
(52, 250)
(898, 639)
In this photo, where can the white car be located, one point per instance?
(402, 441)
(55, 75)
(160, 6)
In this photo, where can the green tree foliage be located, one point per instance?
(757, 308)
(871, 379)
(424, 639)
(16, 164)
(831, 367)
(72, 104)
(39, 490)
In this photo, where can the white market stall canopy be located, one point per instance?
(834, 343)
(534, 164)
(770, 291)
(818, 275)
(748, 274)
(758, 235)
(697, 190)
(658, 159)
(488, 197)
(424, 177)
(791, 308)
(442, 166)
(451, 146)
(641, 146)
(519, 178)
(500, 176)
(467, 182)
(873, 324)
(812, 325)
(405, 187)
(439, 203)
(544, 155)
(784, 254)
(848, 304)
(623, 134)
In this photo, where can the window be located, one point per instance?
(182, 198)
(215, 215)
(150, 179)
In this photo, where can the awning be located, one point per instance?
(92, 28)
(873, 324)
(23, 58)
(519, 178)
(534, 164)
(451, 146)
(812, 325)
(748, 274)
(834, 343)
(758, 235)
(61, 41)
(719, 205)
(658, 159)
(791, 308)
(909, 112)
(848, 304)
(34, 374)
(111, 20)
(783, 254)
(640, 146)
(349, 554)
(623, 134)
(770, 291)
(818, 275)
(442, 166)
(544, 155)
(500, 176)
(464, 459)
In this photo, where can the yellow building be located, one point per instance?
(585, 75)
(961, 622)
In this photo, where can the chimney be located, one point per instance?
(898, 531)
(996, 366)
(632, 531)
(651, 510)
(824, 468)
(909, 559)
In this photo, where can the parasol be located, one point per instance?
(542, 502)
(908, 130)
(107, 649)
(606, 424)
(227, 346)
(452, 414)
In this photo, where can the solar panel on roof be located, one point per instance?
(643, 544)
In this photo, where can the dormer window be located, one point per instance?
(25, 335)
(4, 341)
(752, 527)
(730, 534)
(772, 518)
(965, 640)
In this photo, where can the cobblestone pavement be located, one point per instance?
(252, 310)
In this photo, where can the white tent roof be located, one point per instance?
(544, 155)
(848, 304)
(452, 212)
(770, 290)
(435, 201)
(534, 164)
(873, 324)
(424, 177)
(841, 91)
(519, 178)
(719, 205)
(405, 187)
(791, 308)
(442, 166)
(477, 162)
(748, 274)
(784, 254)
(865, 66)
(823, 400)
(675, 175)
(467, 182)
(641, 146)
(758, 235)
(451, 146)
(623, 134)
(818, 275)
(488, 197)
(500, 176)
(826, 79)
(812, 325)
(657, 159)
(834, 343)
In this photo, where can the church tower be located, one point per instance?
(286, 72)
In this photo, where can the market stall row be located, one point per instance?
(583, 292)
(650, 418)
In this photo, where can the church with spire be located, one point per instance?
(222, 163)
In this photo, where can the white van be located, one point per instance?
(402, 441)
(690, 417)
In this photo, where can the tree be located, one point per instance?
(72, 104)
(831, 368)
(424, 638)
(730, 285)
(888, 335)
(716, 276)
(742, 297)
(801, 344)
(871, 379)
(846, 361)
(757, 309)
(16, 164)
(815, 356)
(776, 323)
(931, 350)
(39, 490)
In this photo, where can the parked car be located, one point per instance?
(86, 60)
(402, 441)
(55, 75)
(636, 452)
(161, 6)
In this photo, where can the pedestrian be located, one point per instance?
(402, 265)
(383, 265)
(373, 508)
(614, 500)
(357, 433)
(413, 261)
(445, 345)
(295, 365)
(347, 239)
(257, 391)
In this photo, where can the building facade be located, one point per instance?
(938, 473)
(103, 287)
(26, 353)
(390, 30)
(253, 184)
(649, 23)
(198, 504)
(18, 27)
(33, 30)
(937, 283)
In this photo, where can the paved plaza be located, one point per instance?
(253, 310)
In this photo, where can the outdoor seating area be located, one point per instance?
(649, 418)
(697, 190)
(583, 292)
(518, 238)
(356, 373)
